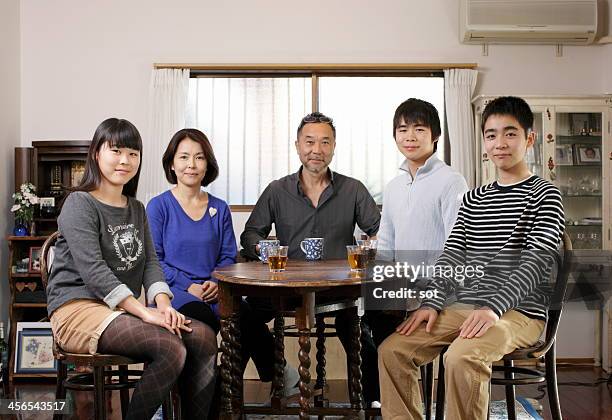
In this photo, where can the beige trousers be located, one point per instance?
(467, 363)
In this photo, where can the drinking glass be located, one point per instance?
(357, 257)
(277, 258)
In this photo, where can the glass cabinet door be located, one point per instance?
(578, 175)
(534, 155)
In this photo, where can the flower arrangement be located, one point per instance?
(25, 200)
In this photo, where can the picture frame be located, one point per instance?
(34, 264)
(587, 154)
(77, 170)
(579, 123)
(28, 325)
(46, 201)
(34, 351)
(564, 155)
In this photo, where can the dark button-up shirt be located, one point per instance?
(344, 203)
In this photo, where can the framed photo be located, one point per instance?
(35, 351)
(579, 123)
(34, 266)
(46, 201)
(564, 155)
(77, 170)
(587, 154)
(26, 325)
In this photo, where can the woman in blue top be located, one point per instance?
(193, 235)
(192, 230)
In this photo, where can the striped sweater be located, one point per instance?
(510, 232)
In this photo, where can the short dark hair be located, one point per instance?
(512, 106)
(212, 167)
(117, 133)
(316, 117)
(417, 111)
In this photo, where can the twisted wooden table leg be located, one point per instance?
(279, 361)
(226, 368)
(320, 400)
(304, 356)
(354, 356)
(236, 363)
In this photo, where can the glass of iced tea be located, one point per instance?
(357, 257)
(277, 258)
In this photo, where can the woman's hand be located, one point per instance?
(210, 291)
(196, 290)
(175, 319)
(154, 316)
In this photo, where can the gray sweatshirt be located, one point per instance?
(103, 253)
(419, 213)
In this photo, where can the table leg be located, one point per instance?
(304, 356)
(236, 363)
(231, 367)
(304, 319)
(354, 356)
(321, 400)
(226, 376)
(279, 362)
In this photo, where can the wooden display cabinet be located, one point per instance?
(29, 309)
(53, 167)
(50, 166)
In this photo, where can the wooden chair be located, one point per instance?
(543, 349)
(100, 380)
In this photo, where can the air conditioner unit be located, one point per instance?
(528, 21)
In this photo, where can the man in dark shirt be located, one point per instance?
(316, 202)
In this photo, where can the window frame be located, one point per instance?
(315, 71)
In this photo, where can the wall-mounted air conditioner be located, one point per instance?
(528, 21)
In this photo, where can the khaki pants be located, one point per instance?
(467, 363)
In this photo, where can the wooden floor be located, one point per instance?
(578, 402)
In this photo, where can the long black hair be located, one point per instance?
(118, 133)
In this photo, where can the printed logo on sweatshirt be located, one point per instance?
(127, 244)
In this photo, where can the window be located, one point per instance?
(252, 121)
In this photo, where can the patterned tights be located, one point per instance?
(190, 361)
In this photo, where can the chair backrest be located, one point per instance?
(564, 266)
(45, 255)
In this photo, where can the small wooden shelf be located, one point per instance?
(34, 375)
(26, 238)
(29, 305)
(25, 275)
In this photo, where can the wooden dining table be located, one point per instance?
(310, 289)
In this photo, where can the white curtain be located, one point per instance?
(251, 124)
(168, 92)
(459, 85)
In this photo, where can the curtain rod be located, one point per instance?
(318, 67)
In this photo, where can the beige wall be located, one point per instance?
(9, 128)
(85, 61)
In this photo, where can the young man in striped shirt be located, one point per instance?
(505, 232)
